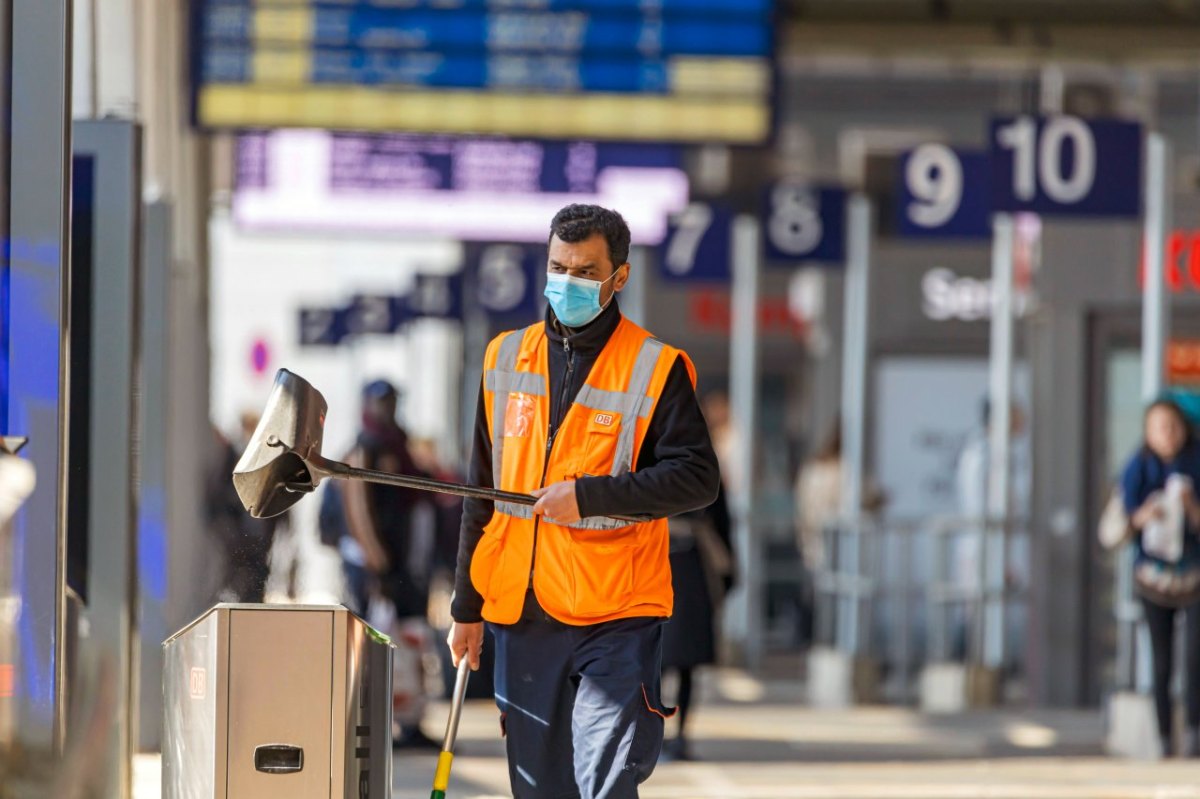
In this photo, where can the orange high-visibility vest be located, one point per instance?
(597, 569)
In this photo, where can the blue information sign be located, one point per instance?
(804, 223)
(322, 327)
(647, 70)
(1066, 166)
(434, 296)
(496, 32)
(943, 192)
(697, 245)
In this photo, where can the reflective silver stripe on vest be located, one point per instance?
(627, 404)
(515, 510)
(498, 381)
(639, 384)
(594, 523)
(520, 382)
(632, 405)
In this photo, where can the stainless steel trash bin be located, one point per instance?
(275, 702)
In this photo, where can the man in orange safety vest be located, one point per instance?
(599, 420)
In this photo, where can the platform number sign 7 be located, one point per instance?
(1066, 166)
(696, 247)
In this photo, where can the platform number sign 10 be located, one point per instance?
(1066, 165)
(943, 192)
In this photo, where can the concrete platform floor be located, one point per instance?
(753, 743)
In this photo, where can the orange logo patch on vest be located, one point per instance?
(605, 419)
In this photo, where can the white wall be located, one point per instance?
(260, 282)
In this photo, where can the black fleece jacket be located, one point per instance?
(676, 470)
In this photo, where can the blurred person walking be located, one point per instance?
(818, 497)
(971, 490)
(702, 572)
(1158, 487)
(595, 417)
(246, 542)
(382, 556)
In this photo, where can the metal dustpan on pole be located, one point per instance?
(275, 472)
(283, 461)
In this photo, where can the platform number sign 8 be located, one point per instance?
(1065, 165)
(794, 224)
(804, 223)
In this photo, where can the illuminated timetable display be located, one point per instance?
(638, 70)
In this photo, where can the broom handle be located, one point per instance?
(345, 472)
(441, 778)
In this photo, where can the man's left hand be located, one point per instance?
(558, 502)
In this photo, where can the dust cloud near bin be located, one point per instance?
(275, 701)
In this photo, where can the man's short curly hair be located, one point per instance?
(578, 222)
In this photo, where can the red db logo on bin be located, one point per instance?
(605, 419)
(198, 683)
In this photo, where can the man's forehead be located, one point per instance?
(592, 250)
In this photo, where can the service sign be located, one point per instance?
(1066, 166)
(804, 223)
(943, 192)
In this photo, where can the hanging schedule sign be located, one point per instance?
(1066, 166)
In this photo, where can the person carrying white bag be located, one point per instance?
(1158, 491)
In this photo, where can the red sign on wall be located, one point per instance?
(1181, 262)
(1183, 362)
(709, 311)
(8, 680)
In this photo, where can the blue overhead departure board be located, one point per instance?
(639, 70)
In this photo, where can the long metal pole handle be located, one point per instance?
(441, 778)
(346, 472)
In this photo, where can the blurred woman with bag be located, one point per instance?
(1158, 489)
(701, 575)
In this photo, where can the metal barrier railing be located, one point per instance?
(913, 592)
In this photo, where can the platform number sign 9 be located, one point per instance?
(804, 223)
(1066, 166)
(943, 192)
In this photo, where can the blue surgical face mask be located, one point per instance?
(575, 300)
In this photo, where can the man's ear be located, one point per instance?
(622, 277)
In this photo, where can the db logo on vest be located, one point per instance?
(605, 419)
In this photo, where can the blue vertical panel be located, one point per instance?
(38, 208)
(5, 312)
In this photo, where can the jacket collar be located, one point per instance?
(589, 339)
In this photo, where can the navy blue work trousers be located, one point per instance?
(580, 706)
